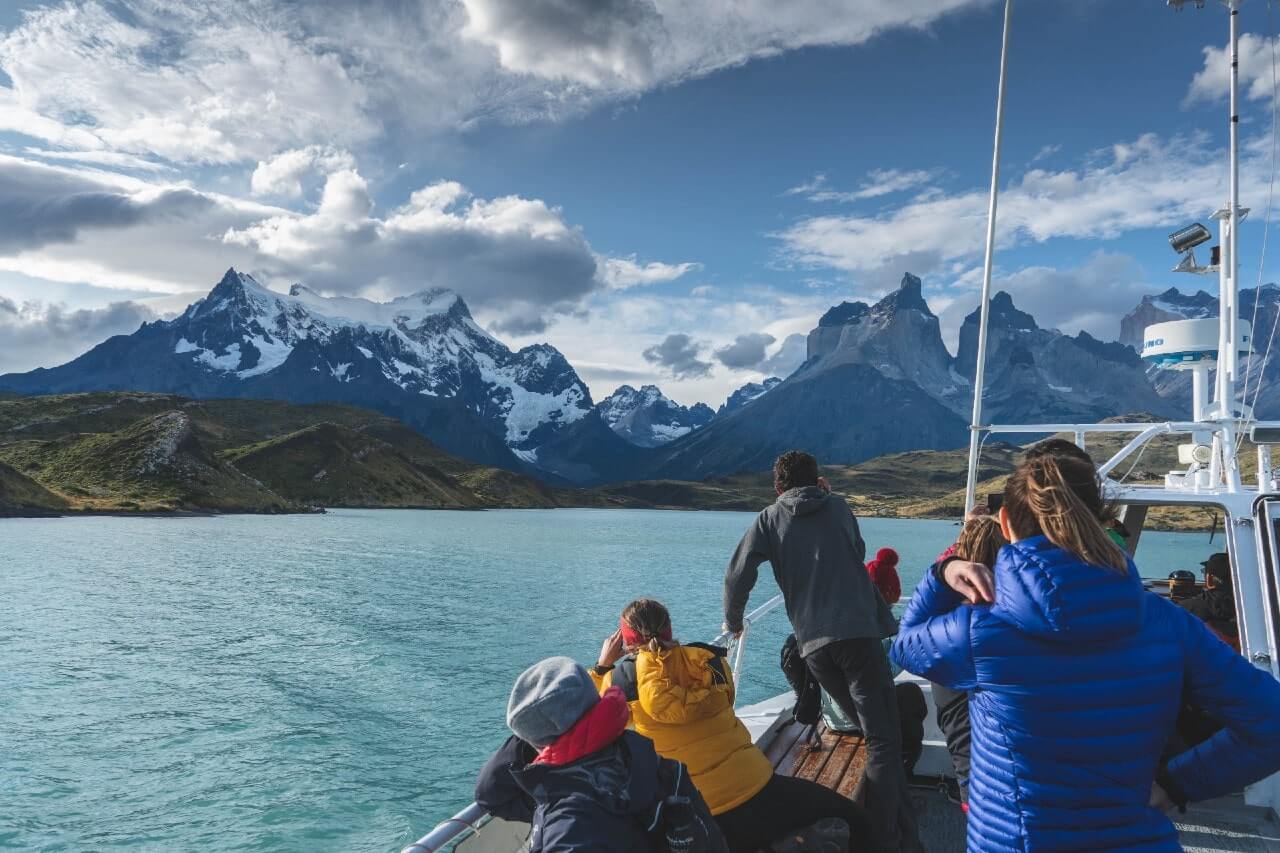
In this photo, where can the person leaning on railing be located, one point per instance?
(1076, 674)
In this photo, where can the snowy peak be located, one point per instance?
(747, 393)
(649, 418)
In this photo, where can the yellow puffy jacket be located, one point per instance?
(682, 699)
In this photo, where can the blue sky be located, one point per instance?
(614, 174)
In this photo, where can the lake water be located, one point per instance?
(328, 682)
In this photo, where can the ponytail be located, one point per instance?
(1061, 498)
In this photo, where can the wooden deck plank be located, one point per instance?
(810, 762)
(851, 783)
(838, 764)
(795, 756)
(782, 743)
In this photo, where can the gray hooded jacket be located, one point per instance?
(812, 541)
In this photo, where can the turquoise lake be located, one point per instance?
(329, 682)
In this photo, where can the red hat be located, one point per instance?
(884, 574)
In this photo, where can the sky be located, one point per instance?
(668, 192)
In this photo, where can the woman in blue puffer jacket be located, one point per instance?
(1076, 675)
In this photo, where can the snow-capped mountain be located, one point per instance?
(1259, 305)
(1161, 308)
(419, 357)
(649, 418)
(746, 394)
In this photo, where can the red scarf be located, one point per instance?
(599, 727)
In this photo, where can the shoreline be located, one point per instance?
(180, 514)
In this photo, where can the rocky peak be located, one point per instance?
(843, 314)
(747, 393)
(908, 297)
(649, 418)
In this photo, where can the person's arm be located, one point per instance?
(610, 653)
(934, 638)
(743, 572)
(496, 789)
(1245, 699)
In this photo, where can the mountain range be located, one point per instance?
(877, 379)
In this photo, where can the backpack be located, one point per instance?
(808, 707)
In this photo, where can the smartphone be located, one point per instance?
(995, 500)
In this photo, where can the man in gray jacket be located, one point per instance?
(811, 539)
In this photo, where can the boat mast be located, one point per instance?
(984, 310)
(1228, 281)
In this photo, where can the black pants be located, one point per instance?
(953, 721)
(855, 674)
(785, 804)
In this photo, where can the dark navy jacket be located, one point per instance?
(607, 801)
(1076, 675)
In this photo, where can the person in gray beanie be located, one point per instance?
(591, 784)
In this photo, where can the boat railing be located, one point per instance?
(473, 817)
(1144, 432)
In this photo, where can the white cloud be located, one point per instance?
(1210, 84)
(282, 174)
(229, 82)
(1146, 183)
(621, 273)
(1103, 289)
(213, 83)
(879, 182)
(514, 259)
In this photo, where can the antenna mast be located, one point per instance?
(971, 484)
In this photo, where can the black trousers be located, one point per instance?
(785, 804)
(953, 721)
(855, 674)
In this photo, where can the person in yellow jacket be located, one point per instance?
(682, 698)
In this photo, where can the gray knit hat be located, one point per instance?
(548, 698)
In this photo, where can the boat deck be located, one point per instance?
(837, 761)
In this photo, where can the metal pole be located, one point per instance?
(1233, 220)
(971, 486)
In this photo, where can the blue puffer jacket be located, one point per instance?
(1076, 675)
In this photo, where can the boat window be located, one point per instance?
(1161, 552)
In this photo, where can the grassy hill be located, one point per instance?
(130, 452)
(133, 452)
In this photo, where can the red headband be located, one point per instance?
(632, 637)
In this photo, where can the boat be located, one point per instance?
(1220, 421)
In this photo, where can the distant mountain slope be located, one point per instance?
(153, 452)
(419, 358)
(746, 394)
(842, 413)
(649, 418)
(331, 465)
(155, 464)
(22, 496)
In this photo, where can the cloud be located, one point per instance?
(513, 258)
(788, 357)
(282, 174)
(1210, 84)
(746, 352)
(678, 355)
(181, 83)
(621, 273)
(592, 42)
(40, 205)
(879, 182)
(41, 334)
(1148, 182)
(1103, 289)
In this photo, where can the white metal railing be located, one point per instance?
(470, 819)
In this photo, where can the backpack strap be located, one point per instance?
(624, 677)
